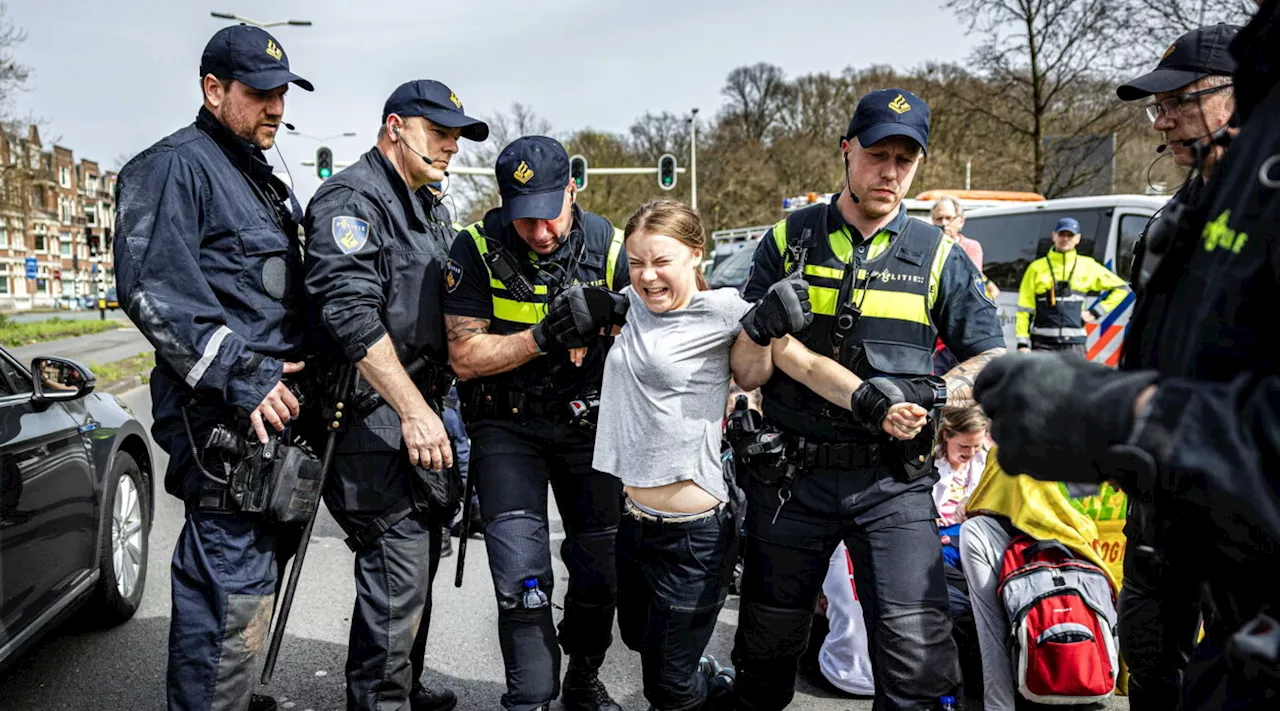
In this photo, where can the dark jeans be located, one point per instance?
(889, 528)
(512, 464)
(672, 581)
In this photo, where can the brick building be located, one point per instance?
(58, 211)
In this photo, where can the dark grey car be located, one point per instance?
(76, 502)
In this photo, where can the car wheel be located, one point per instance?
(125, 525)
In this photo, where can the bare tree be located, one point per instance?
(655, 134)
(1157, 23)
(756, 95)
(1042, 62)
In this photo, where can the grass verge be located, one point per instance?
(117, 371)
(22, 334)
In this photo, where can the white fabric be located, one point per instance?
(955, 486)
(844, 658)
(982, 545)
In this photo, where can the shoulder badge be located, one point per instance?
(980, 285)
(452, 276)
(349, 232)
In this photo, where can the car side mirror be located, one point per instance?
(58, 379)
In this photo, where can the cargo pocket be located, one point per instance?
(266, 275)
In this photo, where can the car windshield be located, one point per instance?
(732, 270)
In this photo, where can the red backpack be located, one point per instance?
(1062, 621)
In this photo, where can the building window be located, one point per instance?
(68, 287)
(91, 216)
(42, 286)
(39, 242)
(66, 246)
(4, 284)
(19, 241)
(64, 176)
(4, 237)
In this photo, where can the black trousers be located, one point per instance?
(673, 578)
(1159, 616)
(1042, 345)
(512, 464)
(889, 528)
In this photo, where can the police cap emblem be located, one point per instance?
(350, 233)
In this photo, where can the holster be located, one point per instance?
(495, 402)
(433, 380)
(281, 481)
(436, 493)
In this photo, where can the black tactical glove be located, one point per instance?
(1059, 417)
(785, 309)
(872, 400)
(577, 313)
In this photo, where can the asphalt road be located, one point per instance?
(124, 667)
(124, 342)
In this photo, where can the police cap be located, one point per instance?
(890, 112)
(251, 56)
(1197, 54)
(436, 102)
(532, 174)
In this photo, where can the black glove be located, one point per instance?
(872, 400)
(785, 309)
(579, 312)
(1059, 417)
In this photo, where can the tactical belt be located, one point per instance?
(432, 379)
(827, 455)
(497, 403)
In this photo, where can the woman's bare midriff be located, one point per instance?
(683, 497)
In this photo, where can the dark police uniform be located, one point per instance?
(207, 267)
(376, 254)
(524, 433)
(911, 285)
(1160, 605)
(1213, 424)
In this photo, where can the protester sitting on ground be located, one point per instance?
(1001, 507)
(837, 659)
(960, 456)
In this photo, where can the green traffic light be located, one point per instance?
(324, 172)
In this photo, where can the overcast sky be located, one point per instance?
(111, 77)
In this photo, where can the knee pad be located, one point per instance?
(916, 651)
(519, 549)
(592, 559)
(772, 632)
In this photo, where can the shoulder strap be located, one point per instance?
(615, 248)
(795, 249)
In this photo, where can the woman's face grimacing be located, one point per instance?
(663, 270)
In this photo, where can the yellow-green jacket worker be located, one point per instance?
(1051, 314)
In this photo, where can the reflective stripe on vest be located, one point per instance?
(615, 247)
(504, 307)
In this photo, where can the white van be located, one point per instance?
(1012, 237)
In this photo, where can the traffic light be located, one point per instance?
(92, 240)
(324, 162)
(667, 171)
(578, 171)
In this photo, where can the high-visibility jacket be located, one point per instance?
(1051, 300)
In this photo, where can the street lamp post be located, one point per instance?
(693, 160)
(255, 23)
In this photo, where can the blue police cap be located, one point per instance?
(532, 174)
(436, 102)
(1193, 56)
(890, 112)
(249, 55)
(1068, 224)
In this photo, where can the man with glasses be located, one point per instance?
(1160, 607)
(1051, 313)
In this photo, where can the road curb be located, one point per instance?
(119, 387)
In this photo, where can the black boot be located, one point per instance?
(424, 699)
(260, 702)
(582, 689)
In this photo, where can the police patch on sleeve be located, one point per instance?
(350, 233)
(980, 284)
(452, 276)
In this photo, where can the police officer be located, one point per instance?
(530, 407)
(1195, 431)
(883, 288)
(377, 243)
(1159, 606)
(1051, 314)
(206, 267)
